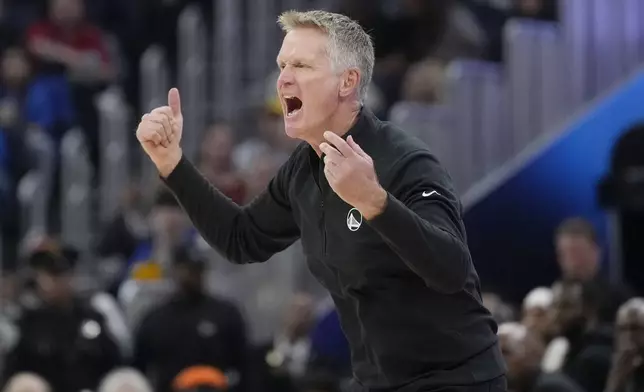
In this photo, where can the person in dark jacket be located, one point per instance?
(62, 337)
(523, 351)
(627, 369)
(576, 309)
(192, 328)
(380, 222)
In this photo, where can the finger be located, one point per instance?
(165, 123)
(148, 134)
(158, 128)
(328, 173)
(174, 101)
(339, 144)
(330, 151)
(352, 143)
(329, 161)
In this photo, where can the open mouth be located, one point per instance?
(293, 106)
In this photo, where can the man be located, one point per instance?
(378, 217)
(534, 311)
(627, 371)
(63, 338)
(579, 257)
(212, 332)
(523, 352)
(588, 342)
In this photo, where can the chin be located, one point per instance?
(294, 132)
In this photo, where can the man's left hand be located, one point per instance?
(351, 175)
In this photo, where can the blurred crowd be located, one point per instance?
(582, 333)
(150, 320)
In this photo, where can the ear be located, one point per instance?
(350, 82)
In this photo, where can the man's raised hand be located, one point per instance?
(351, 174)
(159, 133)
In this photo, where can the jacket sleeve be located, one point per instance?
(242, 234)
(422, 223)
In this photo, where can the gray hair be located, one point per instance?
(349, 45)
(27, 382)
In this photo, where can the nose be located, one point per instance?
(285, 78)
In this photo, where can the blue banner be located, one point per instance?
(511, 228)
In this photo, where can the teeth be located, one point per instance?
(293, 113)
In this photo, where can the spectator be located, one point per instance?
(121, 237)
(536, 307)
(263, 165)
(62, 338)
(523, 352)
(579, 257)
(627, 371)
(285, 360)
(575, 316)
(211, 331)
(169, 228)
(125, 380)
(424, 82)
(67, 45)
(15, 157)
(216, 158)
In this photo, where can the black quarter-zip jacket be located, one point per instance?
(404, 284)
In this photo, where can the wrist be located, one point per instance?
(168, 165)
(376, 205)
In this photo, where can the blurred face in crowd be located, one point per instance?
(522, 352)
(15, 67)
(529, 7)
(535, 318)
(67, 12)
(54, 288)
(535, 311)
(578, 256)
(309, 87)
(567, 311)
(218, 145)
(630, 326)
(169, 223)
(263, 169)
(188, 278)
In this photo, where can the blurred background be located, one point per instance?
(536, 107)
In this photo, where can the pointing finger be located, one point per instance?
(339, 144)
(330, 152)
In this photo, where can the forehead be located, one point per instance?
(303, 44)
(573, 240)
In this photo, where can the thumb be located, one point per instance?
(174, 101)
(356, 147)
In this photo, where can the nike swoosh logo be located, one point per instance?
(427, 194)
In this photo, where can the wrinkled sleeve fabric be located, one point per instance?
(241, 234)
(422, 223)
